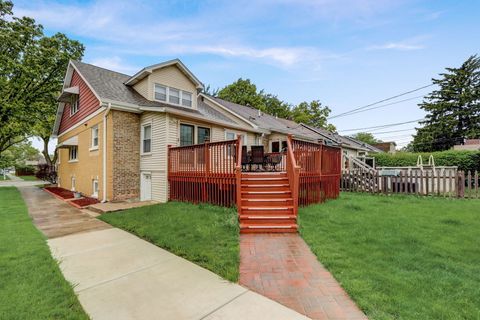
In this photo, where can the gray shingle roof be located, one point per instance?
(110, 85)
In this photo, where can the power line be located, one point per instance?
(392, 131)
(380, 101)
(383, 126)
(377, 107)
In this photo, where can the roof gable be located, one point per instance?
(150, 69)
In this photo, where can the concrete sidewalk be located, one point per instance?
(18, 182)
(119, 276)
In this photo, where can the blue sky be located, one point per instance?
(344, 53)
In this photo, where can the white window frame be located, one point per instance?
(180, 96)
(74, 103)
(95, 190)
(142, 133)
(93, 145)
(70, 158)
(195, 130)
(236, 134)
(73, 181)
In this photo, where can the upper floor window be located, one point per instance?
(186, 99)
(73, 153)
(147, 138)
(160, 92)
(74, 104)
(95, 137)
(173, 95)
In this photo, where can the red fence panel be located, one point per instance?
(203, 173)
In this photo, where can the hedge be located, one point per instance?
(24, 170)
(464, 160)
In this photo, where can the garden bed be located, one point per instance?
(60, 192)
(83, 202)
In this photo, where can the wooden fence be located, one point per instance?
(204, 172)
(320, 171)
(440, 182)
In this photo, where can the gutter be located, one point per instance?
(104, 153)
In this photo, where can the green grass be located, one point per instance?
(204, 234)
(401, 257)
(31, 284)
(28, 178)
(2, 178)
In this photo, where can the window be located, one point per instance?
(72, 154)
(186, 99)
(284, 146)
(186, 134)
(173, 96)
(74, 105)
(230, 135)
(160, 92)
(203, 134)
(147, 138)
(95, 137)
(95, 188)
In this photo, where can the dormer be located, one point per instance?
(169, 82)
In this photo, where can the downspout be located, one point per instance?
(104, 153)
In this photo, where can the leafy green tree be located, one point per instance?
(243, 92)
(313, 114)
(453, 110)
(23, 151)
(32, 67)
(366, 137)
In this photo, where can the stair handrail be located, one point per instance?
(293, 173)
(238, 174)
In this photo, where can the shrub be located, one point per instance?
(464, 160)
(46, 173)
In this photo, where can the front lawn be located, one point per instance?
(28, 178)
(2, 177)
(31, 284)
(204, 234)
(400, 257)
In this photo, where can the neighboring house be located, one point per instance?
(468, 144)
(389, 147)
(114, 129)
(39, 160)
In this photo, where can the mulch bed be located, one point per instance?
(83, 202)
(60, 192)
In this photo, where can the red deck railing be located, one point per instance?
(204, 172)
(320, 172)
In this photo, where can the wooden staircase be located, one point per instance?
(266, 203)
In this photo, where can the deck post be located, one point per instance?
(238, 174)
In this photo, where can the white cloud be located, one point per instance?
(396, 46)
(114, 63)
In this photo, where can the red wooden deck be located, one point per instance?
(266, 201)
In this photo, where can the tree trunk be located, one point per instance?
(45, 153)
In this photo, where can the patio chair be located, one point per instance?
(275, 160)
(257, 156)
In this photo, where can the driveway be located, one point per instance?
(120, 276)
(18, 182)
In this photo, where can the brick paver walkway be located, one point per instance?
(282, 267)
(56, 218)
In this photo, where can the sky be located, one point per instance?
(345, 53)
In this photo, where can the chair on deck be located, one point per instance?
(258, 156)
(245, 161)
(275, 160)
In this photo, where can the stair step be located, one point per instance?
(282, 208)
(262, 217)
(264, 178)
(246, 228)
(267, 192)
(286, 185)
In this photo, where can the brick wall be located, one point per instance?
(126, 155)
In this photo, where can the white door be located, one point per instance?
(146, 187)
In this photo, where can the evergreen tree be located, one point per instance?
(453, 110)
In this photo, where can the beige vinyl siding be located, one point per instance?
(172, 77)
(156, 161)
(142, 87)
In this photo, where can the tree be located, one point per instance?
(366, 137)
(32, 67)
(243, 92)
(313, 114)
(453, 110)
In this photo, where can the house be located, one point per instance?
(389, 147)
(114, 130)
(468, 144)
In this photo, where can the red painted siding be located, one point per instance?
(88, 104)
